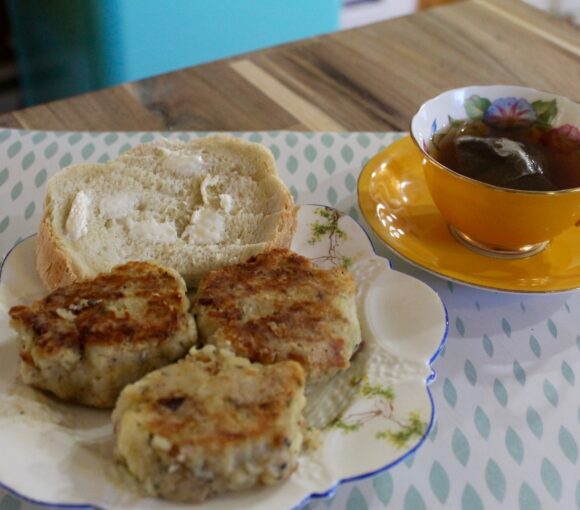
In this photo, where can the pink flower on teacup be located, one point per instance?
(509, 112)
(565, 138)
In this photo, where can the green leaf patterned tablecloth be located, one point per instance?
(507, 395)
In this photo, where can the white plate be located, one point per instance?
(58, 454)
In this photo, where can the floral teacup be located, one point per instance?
(490, 219)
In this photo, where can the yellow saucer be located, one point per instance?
(395, 202)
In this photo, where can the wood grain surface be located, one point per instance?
(371, 78)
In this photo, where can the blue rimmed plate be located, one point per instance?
(375, 414)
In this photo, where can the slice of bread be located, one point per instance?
(191, 206)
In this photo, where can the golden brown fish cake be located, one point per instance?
(278, 306)
(86, 341)
(209, 424)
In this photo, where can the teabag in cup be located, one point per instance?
(502, 162)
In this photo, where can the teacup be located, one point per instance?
(490, 219)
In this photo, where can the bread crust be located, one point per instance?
(54, 267)
(57, 262)
(286, 227)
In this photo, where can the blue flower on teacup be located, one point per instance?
(433, 131)
(508, 112)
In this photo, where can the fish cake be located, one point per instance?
(279, 306)
(86, 341)
(211, 423)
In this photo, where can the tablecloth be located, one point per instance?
(507, 393)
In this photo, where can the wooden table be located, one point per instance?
(368, 79)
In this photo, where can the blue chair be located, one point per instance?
(66, 47)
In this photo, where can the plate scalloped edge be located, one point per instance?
(387, 409)
(373, 274)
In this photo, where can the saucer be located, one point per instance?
(396, 203)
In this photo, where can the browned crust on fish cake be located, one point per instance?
(211, 423)
(279, 306)
(246, 403)
(85, 342)
(100, 318)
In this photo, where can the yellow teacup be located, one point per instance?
(490, 219)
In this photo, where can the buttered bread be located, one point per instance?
(192, 206)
